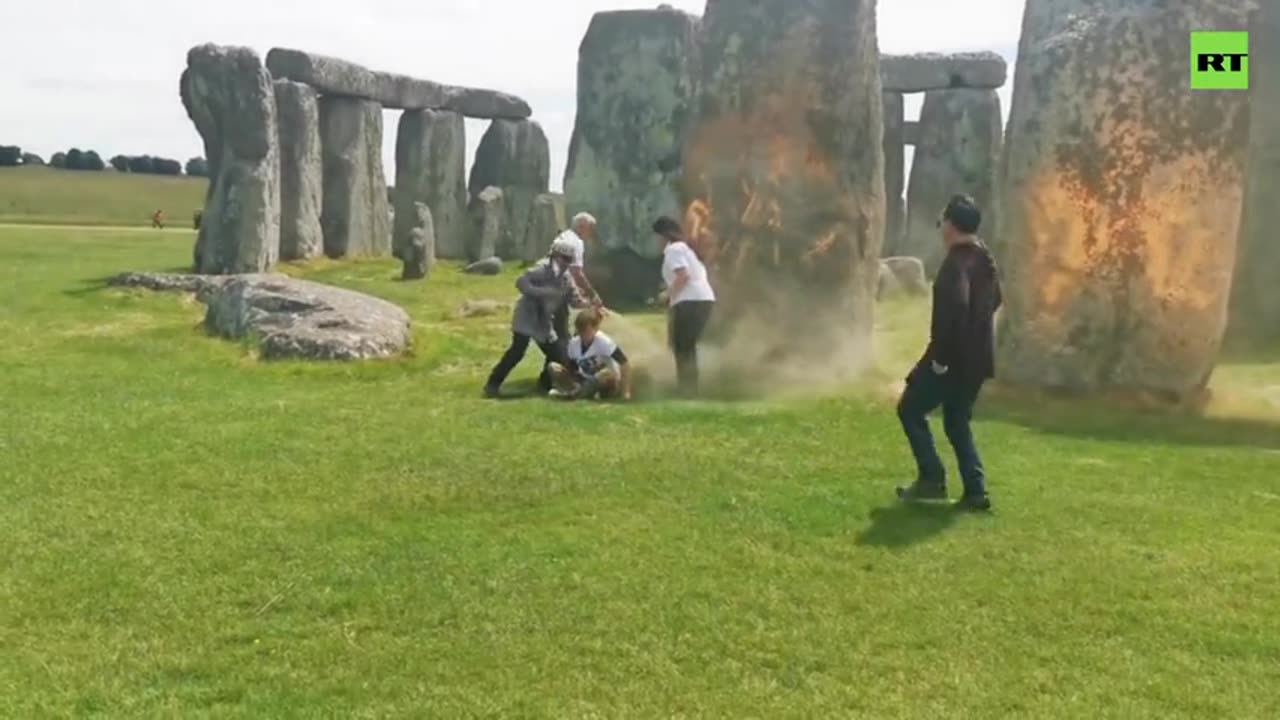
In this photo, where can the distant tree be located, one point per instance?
(143, 164)
(121, 163)
(10, 156)
(75, 159)
(197, 167)
(93, 161)
(32, 159)
(166, 166)
(59, 160)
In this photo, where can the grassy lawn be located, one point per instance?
(189, 532)
(45, 196)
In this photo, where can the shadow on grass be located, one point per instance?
(1124, 422)
(901, 525)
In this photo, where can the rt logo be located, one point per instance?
(1219, 61)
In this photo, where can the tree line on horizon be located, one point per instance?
(91, 161)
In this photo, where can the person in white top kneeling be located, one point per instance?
(597, 366)
(691, 300)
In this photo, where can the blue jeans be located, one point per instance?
(925, 392)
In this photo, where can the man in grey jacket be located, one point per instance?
(543, 289)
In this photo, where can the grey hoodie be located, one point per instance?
(543, 288)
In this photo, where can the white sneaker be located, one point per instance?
(557, 394)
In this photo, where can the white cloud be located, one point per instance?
(103, 74)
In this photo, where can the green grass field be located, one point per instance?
(45, 196)
(189, 532)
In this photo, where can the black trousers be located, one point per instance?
(926, 392)
(688, 321)
(559, 321)
(514, 354)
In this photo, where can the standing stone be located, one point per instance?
(514, 156)
(895, 160)
(301, 171)
(546, 222)
(229, 96)
(489, 223)
(356, 216)
(958, 152)
(636, 75)
(784, 173)
(420, 251)
(1122, 197)
(431, 168)
(1255, 310)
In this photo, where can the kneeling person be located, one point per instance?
(597, 366)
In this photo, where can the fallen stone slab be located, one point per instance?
(488, 266)
(933, 71)
(297, 319)
(290, 319)
(335, 76)
(480, 308)
(170, 282)
(909, 274)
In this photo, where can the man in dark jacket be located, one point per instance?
(959, 360)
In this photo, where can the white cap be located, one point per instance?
(583, 217)
(562, 247)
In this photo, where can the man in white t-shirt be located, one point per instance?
(596, 367)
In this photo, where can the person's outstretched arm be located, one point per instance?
(528, 286)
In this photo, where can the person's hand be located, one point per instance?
(939, 369)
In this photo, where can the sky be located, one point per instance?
(103, 74)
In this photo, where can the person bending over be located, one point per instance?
(597, 367)
(959, 360)
(543, 288)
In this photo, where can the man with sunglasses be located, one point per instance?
(958, 362)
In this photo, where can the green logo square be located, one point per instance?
(1219, 61)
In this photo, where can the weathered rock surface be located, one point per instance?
(431, 169)
(230, 98)
(932, 71)
(894, 170)
(488, 266)
(888, 287)
(488, 223)
(290, 318)
(171, 282)
(958, 152)
(514, 156)
(637, 71)
(420, 252)
(545, 224)
(301, 171)
(911, 132)
(785, 170)
(909, 273)
(628, 278)
(333, 76)
(1122, 198)
(1255, 307)
(356, 216)
(308, 321)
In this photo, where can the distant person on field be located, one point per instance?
(597, 367)
(581, 229)
(691, 300)
(157, 220)
(196, 219)
(959, 360)
(543, 289)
